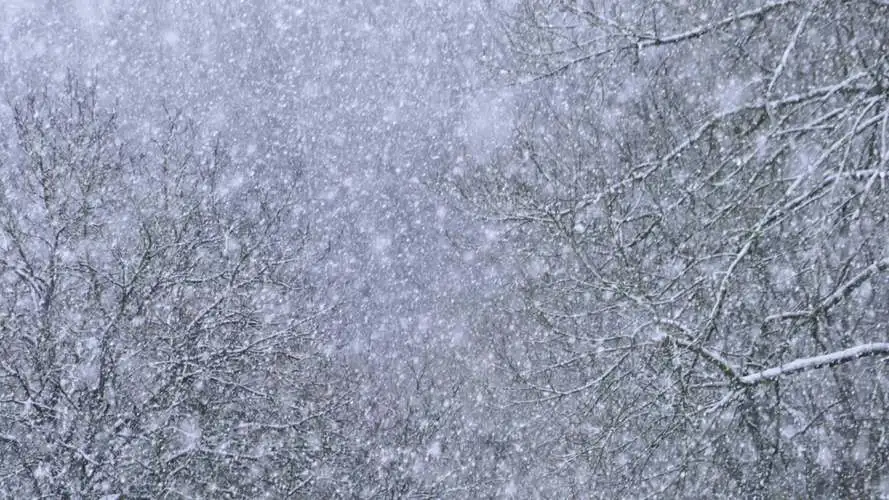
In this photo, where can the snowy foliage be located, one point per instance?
(444, 249)
(716, 242)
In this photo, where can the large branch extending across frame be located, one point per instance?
(790, 368)
(815, 362)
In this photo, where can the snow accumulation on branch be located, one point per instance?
(815, 362)
(854, 283)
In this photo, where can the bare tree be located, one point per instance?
(159, 334)
(696, 198)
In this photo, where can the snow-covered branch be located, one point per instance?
(795, 366)
(711, 357)
(849, 286)
(815, 362)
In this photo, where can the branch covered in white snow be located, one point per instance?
(815, 362)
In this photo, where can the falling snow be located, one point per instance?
(444, 249)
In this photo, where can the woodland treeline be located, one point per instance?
(685, 217)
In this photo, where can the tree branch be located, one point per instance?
(815, 362)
